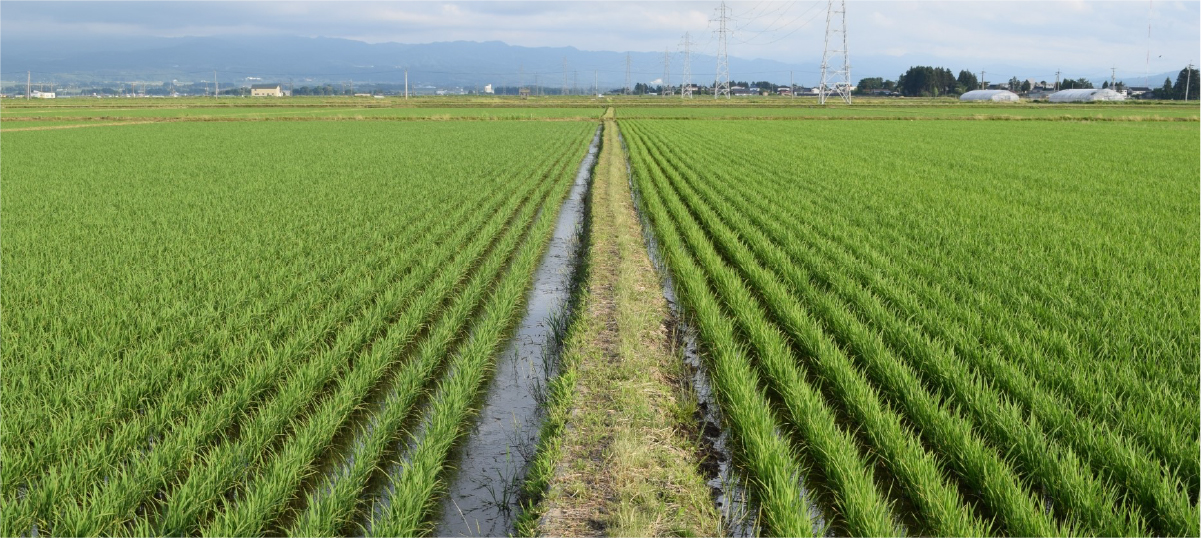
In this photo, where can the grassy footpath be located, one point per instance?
(618, 455)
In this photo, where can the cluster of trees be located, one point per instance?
(927, 81)
(1077, 84)
(1186, 86)
(325, 89)
(870, 84)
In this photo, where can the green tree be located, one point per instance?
(1187, 80)
(968, 81)
(1026, 86)
(868, 84)
(1070, 84)
(1166, 92)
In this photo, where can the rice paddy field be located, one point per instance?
(267, 319)
(951, 328)
(191, 342)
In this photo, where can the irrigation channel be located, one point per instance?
(481, 499)
(723, 476)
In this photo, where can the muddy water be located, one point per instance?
(482, 493)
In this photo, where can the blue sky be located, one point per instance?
(1039, 36)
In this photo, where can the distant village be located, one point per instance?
(918, 81)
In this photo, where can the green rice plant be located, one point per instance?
(179, 398)
(865, 510)
(412, 492)
(1088, 499)
(1078, 495)
(770, 458)
(1010, 351)
(240, 289)
(267, 493)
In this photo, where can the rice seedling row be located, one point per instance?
(973, 407)
(320, 280)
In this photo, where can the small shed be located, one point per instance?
(999, 96)
(1083, 95)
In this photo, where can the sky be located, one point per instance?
(1091, 36)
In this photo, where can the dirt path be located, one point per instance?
(74, 126)
(628, 459)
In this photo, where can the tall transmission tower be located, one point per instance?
(686, 80)
(564, 91)
(839, 78)
(628, 88)
(721, 82)
(666, 73)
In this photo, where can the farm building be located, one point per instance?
(1082, 95)
(42, 95)
(266, 90)
(990, 95)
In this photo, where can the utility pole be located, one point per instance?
(686, 80)
(628, 89)
(28, 80)
(1056, 80)
(595, 87)
(721, 82)
(1188, 80)
(983, 85)
(1113, 77)
(791, 87)
(406, 83)
(216, 87)
(575, 82)
(841, 78)
(564, 90)
(666, 73)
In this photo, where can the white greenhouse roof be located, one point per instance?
(1068, 96)
(989, 95)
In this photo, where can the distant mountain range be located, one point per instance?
(308, 61)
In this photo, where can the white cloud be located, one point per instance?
(1087, 36)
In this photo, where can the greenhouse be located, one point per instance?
(990, 95)
(1082, 95)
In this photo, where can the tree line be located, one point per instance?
(929, 81)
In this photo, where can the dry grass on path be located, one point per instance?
(628, 463)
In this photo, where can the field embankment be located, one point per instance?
(619, 454)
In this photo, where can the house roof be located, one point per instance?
(264, 86)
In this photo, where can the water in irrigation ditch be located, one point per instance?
(482, 494)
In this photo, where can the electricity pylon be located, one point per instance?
(839, 78)
(686, 80)
(666, 73)
(629, 90)
(721, 82)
